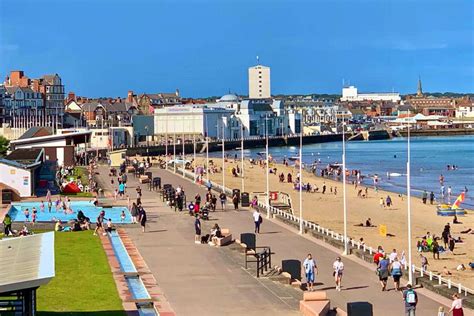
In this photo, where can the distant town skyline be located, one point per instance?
(204, 48)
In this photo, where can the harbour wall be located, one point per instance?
(439, 132)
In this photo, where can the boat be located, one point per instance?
(294, 158)
(395, 174)
(452, 210)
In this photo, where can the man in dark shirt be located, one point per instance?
(197, 228)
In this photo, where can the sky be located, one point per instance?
(204, 47)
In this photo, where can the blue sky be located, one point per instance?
(104, 47)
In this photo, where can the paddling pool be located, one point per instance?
(89, 210)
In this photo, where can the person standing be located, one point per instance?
(121, 189)
(197, 229)
(382, 271)
(456, 307)
(424, 197)
(134, 213)
(257, 218)
(223, 198)
(411, 299)
(310, 268)
(432, 197)
(435, 248)
(338, 267)
(235, 201)
(143, 218)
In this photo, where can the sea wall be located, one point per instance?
(249, 143)
(439, 132)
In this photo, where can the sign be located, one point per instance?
(274, 196)
(12, 171)
(383, 230)
(26, 179)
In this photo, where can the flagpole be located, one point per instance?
(223, 155)
(207, 152)
(174, 151)
(344, 184)
(242, 154)
(410, 271)
(301, 174)
(267, 167)
(184, 151)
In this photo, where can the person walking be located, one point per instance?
(134, 213)
(435, 248)
(235, 201)
(456, 307)
(310, 269)
(257, 218)
(396, 272)
(432, 197)
(338, 267)
(223, 198)
(382, 271)
(197, 229)
(7, 225)
(143, 218)
(410, 298)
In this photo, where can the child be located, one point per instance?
(109, 226)
(33, 217)
(115, 194)
(441, 311)
(27, 215)
(122, 216)
(50, 205)
(42, 206)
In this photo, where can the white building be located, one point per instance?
(212, 120)
(465, 111)
(259, 82)
(350, 93)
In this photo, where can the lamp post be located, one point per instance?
(267, 169)
(344, 184)
(174, 152)
(184, 151)
(166, 143)
(301, 174)
(410, 271)
(207, 153)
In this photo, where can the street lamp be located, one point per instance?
(344, 183)
(267, 167)
(301, 174)
(242, 154)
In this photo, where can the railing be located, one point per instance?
(358, 245)
(339, 237)
(263, 259)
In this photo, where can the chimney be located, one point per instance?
(130, 96)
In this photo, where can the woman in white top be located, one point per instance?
(338, 267)
(456, 306)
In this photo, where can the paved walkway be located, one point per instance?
(198, 279)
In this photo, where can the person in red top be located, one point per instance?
(377, 257)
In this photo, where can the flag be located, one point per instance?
(458, 201)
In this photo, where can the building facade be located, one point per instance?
(351, 93)
(259, 82)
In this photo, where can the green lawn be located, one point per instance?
(83, 284)
(80, 172)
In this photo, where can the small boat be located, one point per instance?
(294, 158)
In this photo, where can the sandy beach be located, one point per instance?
(327, 210)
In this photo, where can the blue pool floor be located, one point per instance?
(89, 210)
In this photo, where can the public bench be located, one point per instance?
(225, 239)
(315, 304)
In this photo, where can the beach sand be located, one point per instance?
(327, 211)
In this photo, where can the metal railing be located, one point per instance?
(339, 237)
(263, 259)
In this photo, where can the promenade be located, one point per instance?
(203, 280)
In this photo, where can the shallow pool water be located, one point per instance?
(89, 210)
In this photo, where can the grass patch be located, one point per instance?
(83, 284)
(81, 173)
(80, 194)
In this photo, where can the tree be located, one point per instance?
(3, 146)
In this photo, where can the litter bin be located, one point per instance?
(245, 199)
(359, 309)
(236, 191)
(249, 239)
(293, 267)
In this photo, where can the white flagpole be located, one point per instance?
(174, 151)
(223, 155)
(344, 183)
(183, 153)
(207, 153)
(267, 167)
(410, 271)
(242, 154)
(301, 174)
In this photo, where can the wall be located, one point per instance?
(17, 178)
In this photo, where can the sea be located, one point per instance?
(387, 160)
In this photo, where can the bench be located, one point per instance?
(222, 241)
(144, 179)
(314, 304)
(130, 169)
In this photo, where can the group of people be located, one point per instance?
(310, 269)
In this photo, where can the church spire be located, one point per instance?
(419, 91)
